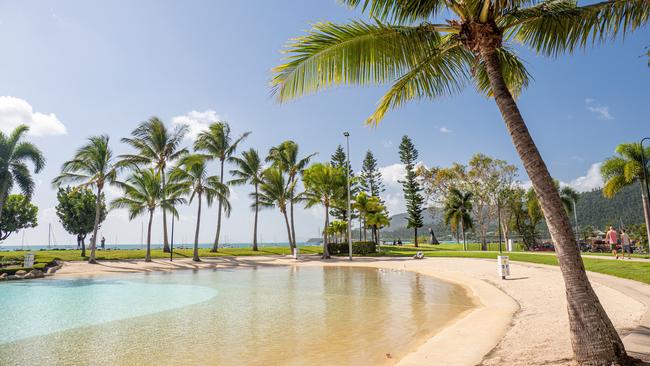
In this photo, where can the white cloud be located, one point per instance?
(444, 129)
(600, 110)
(588, 182)
(15, 111)
(196, 121)
(394, 196)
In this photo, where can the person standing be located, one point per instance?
(612, 238)
(627, 244)
(103, 242)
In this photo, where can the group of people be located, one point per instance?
(618, 243)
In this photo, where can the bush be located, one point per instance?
(359, 247)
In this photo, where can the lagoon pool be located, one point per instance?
(258, 316)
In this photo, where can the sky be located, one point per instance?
(72, 69)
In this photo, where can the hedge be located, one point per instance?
(359, 247)
(13, 270)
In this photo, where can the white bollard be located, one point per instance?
(511, 245)
(29, 260)
(503, 266)
(295, 253)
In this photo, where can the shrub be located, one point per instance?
(359, 247)
(13, 270)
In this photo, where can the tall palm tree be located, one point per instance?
(217, 142)
(426, 59)
(457, 211)
(377, 220)
(285, 156)
(92, 166)
(143, 193)
(249, 170)
(192, 178)
(324, 185)
(626, 169)
(362, 205)
(273, 192)
(14, 154)
(158, 146)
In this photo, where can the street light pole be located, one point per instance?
(647, 190)
(171, 251)
(347, 142)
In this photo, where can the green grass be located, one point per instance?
(638, 271)
(47, 256)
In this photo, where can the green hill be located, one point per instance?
(598, 211)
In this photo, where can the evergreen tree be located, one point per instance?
(408, 154)
(339, 160)
(371, 180)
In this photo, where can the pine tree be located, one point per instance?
(339, 160)
(408, 154)
(371, 180)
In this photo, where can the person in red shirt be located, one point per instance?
(612, 238)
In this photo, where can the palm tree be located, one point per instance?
(192, 178)
(14, 154)
(285, 157)
(143, 193)
(218, 144)
(457, 211)
(158, 146)
(92, 165)
(624, 170)
(377, 220)
(249, 170)
(273, 192)
(361, 204)
(324, 185)
(426, 59)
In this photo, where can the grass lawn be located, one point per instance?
(638, 271)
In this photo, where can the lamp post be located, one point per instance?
(347, 142)
(647, 190)
(171, 249)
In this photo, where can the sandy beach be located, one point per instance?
(518, 321)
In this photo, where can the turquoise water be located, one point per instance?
(258, 316)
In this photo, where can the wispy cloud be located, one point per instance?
(601, 111)
(444, 129)
(15, 111)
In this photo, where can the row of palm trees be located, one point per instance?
(163, 175)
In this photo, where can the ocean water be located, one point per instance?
(252, 316)
(142, 246)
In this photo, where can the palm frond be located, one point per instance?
(357, 53)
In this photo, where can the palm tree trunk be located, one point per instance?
(165, 238)
(593, 336)
(293, 224)
(93, 240)
(286, 222)
(462, 231)
(646, 210)
(147, 257)
(326, 252)
(3, 195)
(215, 247)
(83, 246)
(257, 207)
(195, 256)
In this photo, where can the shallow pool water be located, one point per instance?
(258, 316)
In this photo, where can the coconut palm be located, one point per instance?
(249, 170)
(156, 146)
(92, 166)
(457, 211)
(324, 185)
(143, 193)
(361, 204)
(424, 59)
(285, 157)
(217, 142)
(377, 220)
(274, 192)
(191, 177)
(14, 155)
(626, 169)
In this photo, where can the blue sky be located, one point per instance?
(91, 67)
